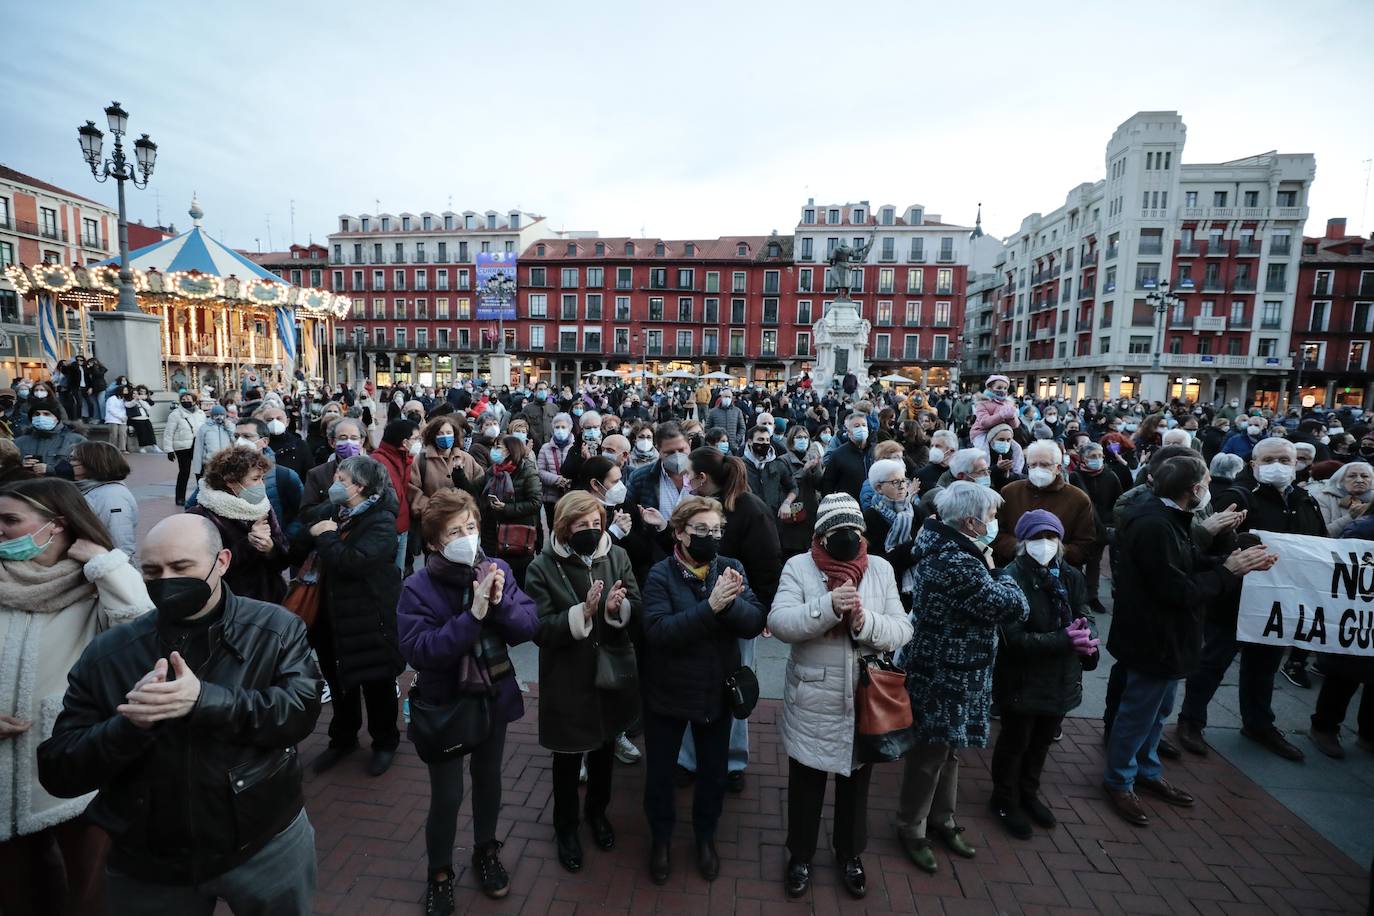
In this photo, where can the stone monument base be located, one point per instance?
(1154, 386)
(130, 345)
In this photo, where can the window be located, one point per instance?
(622, 340)
(568, 307)
(804, 311)
(1252, 198)
(1276, 281)
(736, 343)
(462, 251)
(686, 278)
(911, 346)
(538, 276)
(1317, 320)
(833, 217)
(737, 311)
(1362, 318)
(441, 309)
(537, 337)
(379, 279)
(422, 279)
(1287, 198)
(378, 308)
(917, 251)
(441, 279)
(48, 219)
(940, 351)
(593, 306)
(741, 250)
(1151, 241)
(400, 308)
(422, 309)
(1190, 198)
(653, 342)
(538, 305)
(915, 280)
(1218, 198)
(1237, 316)
(655, 308)
(689, 249)
(462, 309)
(738, 282)
(624, 278)
(889, 248)
(710, 342)
(379, 334)
(1272, 315)
(884, 313)
(591, 340)
(422, 337)
(809, 217)
(622, 308)
(886, 276)
(712, 281)
(1355, 357)
(1322, 286)
(944, 282)
(913, 313)
(464, 338)
(1139, 344)
(942, 314)
(337, 281)
(1147, 276)
(684, 343)
(569, 278)
(463, 279)
(1280, 241)
(684, 308)
(1104, 345)
(946, 248)
(401, 338)
(658, 278)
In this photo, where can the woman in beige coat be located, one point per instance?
(834, 604)
(441, 463)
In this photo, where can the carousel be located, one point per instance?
(221, 313)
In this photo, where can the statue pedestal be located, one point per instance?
(500, 370)
(1154, 386)
(841, 342)
(129, 345)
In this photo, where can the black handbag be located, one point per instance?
(617, 668)
(742, 691)
(444, 731)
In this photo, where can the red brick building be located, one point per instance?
(1333, 319)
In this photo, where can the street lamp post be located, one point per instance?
(1161, 300)
(121, 170)
(502, 289)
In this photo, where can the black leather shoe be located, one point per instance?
(798, 878)
(659, 864)
(853, 878)
(734, 783)
(380, 762)
(708, 863)
(569, 850)
(1038, 811)
(1168, 750)
(602, 832)
(330, 756)
(1012, 819)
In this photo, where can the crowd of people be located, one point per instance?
(642, 539)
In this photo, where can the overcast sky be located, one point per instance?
(680, 119)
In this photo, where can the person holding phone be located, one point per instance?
(511, 496)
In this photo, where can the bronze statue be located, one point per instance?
(843, 259)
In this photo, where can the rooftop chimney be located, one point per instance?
(1335, 228)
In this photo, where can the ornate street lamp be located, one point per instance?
(502, 289)
(1161, 300)
(121, 170)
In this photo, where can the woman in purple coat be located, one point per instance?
(456, 618)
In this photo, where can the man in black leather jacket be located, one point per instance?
(185, 722)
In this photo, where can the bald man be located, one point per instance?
(209, 692)
(616, 447)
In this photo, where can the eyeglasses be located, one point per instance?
(899, 482)
(702, 531)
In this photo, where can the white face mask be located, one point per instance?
(616, 494)
(416, 448)
(1040, 477)
(937, 455)
(1204, 499)
(276, 427)
(1043, 550)
(463, 549)
(241, 440)
(1277, 475)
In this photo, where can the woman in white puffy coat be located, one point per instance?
(834, 605)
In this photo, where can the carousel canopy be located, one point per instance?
(195, 250)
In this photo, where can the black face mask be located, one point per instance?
(843, 545)
(760, 449)
(188, 405)
(703, 547)
(585, 542)
(179, 597)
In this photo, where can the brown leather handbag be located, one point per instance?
(515, 541)
(882, 712)
(303, 594)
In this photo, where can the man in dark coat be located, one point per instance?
(847, 464)
(1165, 582)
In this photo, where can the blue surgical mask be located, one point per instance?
(498, 455)
(338, 493)
(826, 437)
(1094, 464)
(859, 434)
(44, 422)
(723, 446)
(444, 442)
(801, 445)
(591, 435)
(254, 494)
(1001, 447)
(987, 537)
(24, 548)
(561, 434)
(521, 435)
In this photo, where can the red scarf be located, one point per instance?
(839, 572)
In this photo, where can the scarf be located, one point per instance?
(489, 661)
(227, 505)
(899, 517)
(499, 482)
(836, 572)
(38, 589)
(1048, 580)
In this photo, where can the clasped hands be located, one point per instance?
(1081, 637)
(155, 699)
(847, 604)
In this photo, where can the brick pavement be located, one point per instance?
(1238, 851)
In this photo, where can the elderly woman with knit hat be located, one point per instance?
(833, 605)
(1005, 458)
(1038, 677)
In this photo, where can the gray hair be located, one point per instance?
(367, 473)
(333, 431)
(882, 470)
(589, 419)
(1226, 466)
(962, 500)
(1177, 437)
(564, 416)
(950, 440)
(964, 459)
(1041, 445)
(1306, 448)
(1336, 482)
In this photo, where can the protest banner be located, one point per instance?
(1318, 596)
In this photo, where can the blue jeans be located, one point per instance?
(1133, 748)
(739, 729)
(402, 540)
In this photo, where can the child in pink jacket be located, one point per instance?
(991, 408)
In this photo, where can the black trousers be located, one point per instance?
(380, 697)
(662, 741)
(566, 769)
(806, 796)
(183, 472)
(1019, 756)
(446, 795)
(1334, 701)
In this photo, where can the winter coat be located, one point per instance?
(50, 447)
(361, 586)
(731, 420)
(689, 649)
(771, 482)
(1163, 586)
(1068, 504)
(520, 509)
(179, 432)
(822, 668)
(252, 573)
(437, 630)
(1103, 489)
(1037, 671)
(551, 458)
(575, 715)
(48, 615)
(540, 419)
(431, 472)
(397, 464)
(116, 413)
(315, 487)
(957, 606)
(795, 537)
(210, 438)
(116, 508)
(876, 528)
(1335, 516)
(290, 451)
(751, 536)
(846, 469)
(645, 545)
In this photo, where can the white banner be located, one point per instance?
(1318, 596)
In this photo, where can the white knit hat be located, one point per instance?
(836, 511)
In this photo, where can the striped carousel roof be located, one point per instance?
(196, 250)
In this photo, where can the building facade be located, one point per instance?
(1075, 313)
(1333, 324)
(41, 223)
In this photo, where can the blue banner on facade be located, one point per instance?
(494, 264)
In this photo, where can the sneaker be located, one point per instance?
(625, 750)
(1329, 743)
(1274, 739)
(439, 897)
(491, 874)
(1059, 733)
(1297, 675)
(325, 695)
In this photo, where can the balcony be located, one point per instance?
(916, 257)
(1189, 248)
(1185, 285)
(95, 242)
(1271, 324)
(1280, 247)
(1089, 259)
(1152, 248)
(1217, 249)
(1239, 324)
(1215, 324)
(1112, 251)
(1249, 247)
(28, 227)
(1084, 325)
(1213, 284)
(1275, 286)
(1087, 292)
(1243, 285)
(946, 257)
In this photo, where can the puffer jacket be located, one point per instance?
(179, 432)
(1037, 671)
(115, 506)
(957, 605)
(551, 458)
(822, 668)
(690, 649)
(210, 438)
(50, 447)
(228, 771)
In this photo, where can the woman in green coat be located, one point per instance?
(585, 591)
